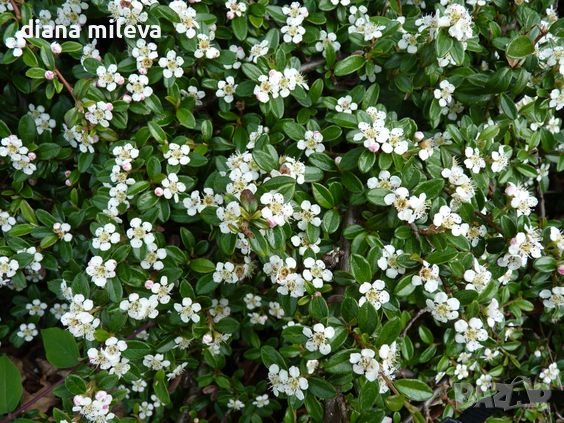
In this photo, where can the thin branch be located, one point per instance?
(542, 207)
(65, 83)
(16, 10)
(412, 321)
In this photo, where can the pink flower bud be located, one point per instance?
(109, 107)
(32, 156)
(149, 284)
(127, 98)
(561, 269)
(68, 183)
(126, 166)
(119, 80)
(338, 160)
(49, 75)
(317, 294)
(374, 147)
(67, 173)
(419, 136)
(159, 192)
(56, 48)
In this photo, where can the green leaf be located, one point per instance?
(331, 221)
(202, 265)
(443, 43)
(414, 389)
(390, 331)
(269, 355)
(322, 196)
(520, 47)
(239, 26)
(60, 347)
(266, 158)
(157, 132)
(361, 269)
(321, 388)
(160, 387)
(432, 188)
(376, 196)
(367, 318)
(186, 118)
(349, 65)
(545, 264)
(11, 389)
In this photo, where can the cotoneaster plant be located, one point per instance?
(328, 211)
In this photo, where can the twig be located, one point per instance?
(65, 83)
(42, 394)
(412, 321)
(309, 66)
(16, 10)
(541, 205)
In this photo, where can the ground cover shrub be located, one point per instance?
(333, 210)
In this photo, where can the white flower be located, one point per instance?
(258, 50)
(226, 89)
(105, 236)
(62, 231)
(316, 273)
(346, 105)
(312, 143)
(177, 154)
(293, 33)
(195, 93)
(27, 331)
(553, 298)
(188, 23)
(408, 42)
(219, 309)
(140, 232)
(556, 99)
(261, 401)
(385, 181)
(172, 187)
(443, 308)
(6, 221)
(108, 77)
(235, 404)
(389, 263)
(276, 211)
(307, 215)
(521, 199)
(188, 310)
(500, 160)
(473, 160)
(470, 333)
(225, 272)
(294, 383)
(428, 275)
(155, 362)
(100, 271)
(550, 374)
(494, 314)
(374, 293)
(161, 289)
(138, 87)
(235, 8)
(447, 219)
(365, 364)
(327, 39)
(319, 338)
(444, 93)
(205, 48)
(395, 142)
(295, 12)
(172, 65)
(36, 308)
(477, 278)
